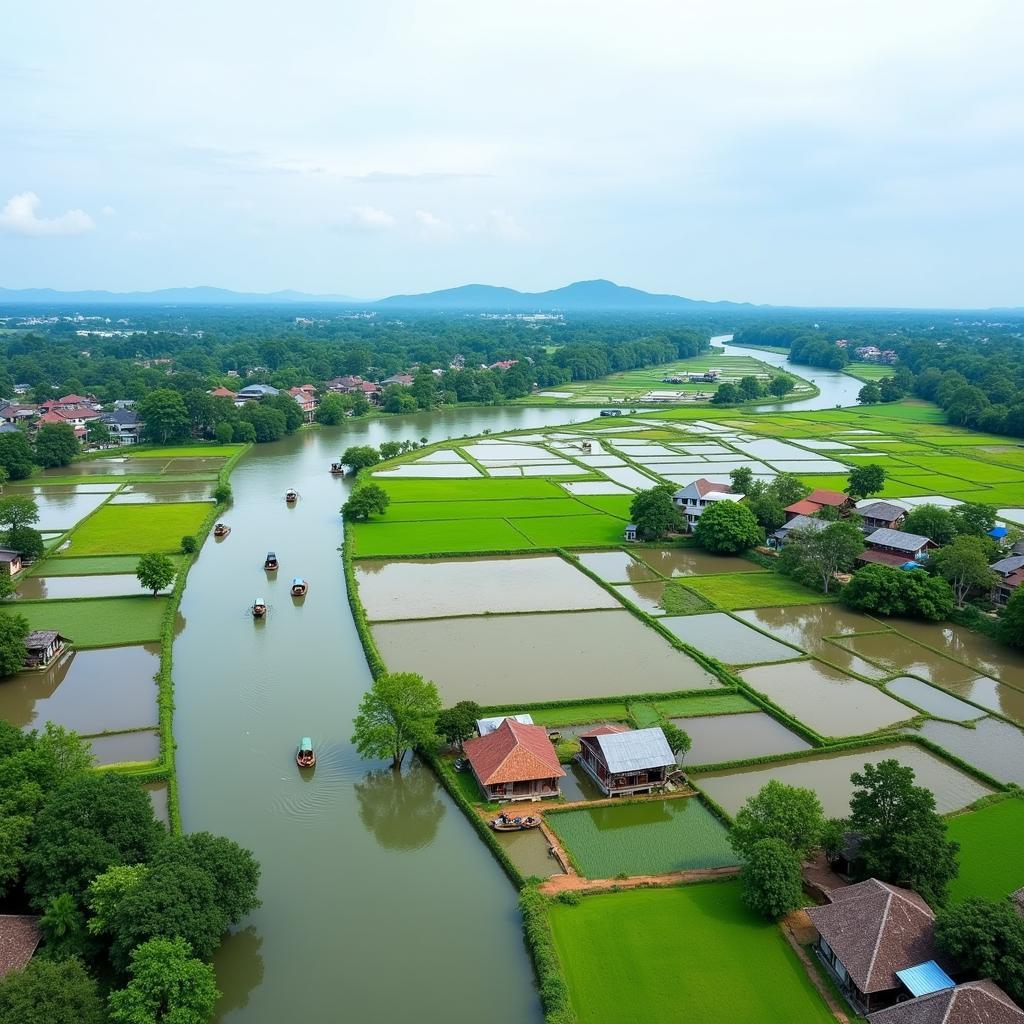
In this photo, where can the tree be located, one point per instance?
(771, 877)
(291, 411)
(767, 510)
(27, 541)
(790, 814)
(389, 449)
(886, 590)
(90, 823)
(155, 572)
(97, 432)
(366, 500)
(331, 410)
(780, 385)
(931, 521)
(833, 838)
(904, 840)
(224, 432)
(964, 565)
(398, 712)
(1011, 623)
(168, 986)
(787, 489)
(189, 544)
(818, 554)
(654, 512)
(727, 394)
(864, 481)
(63, 927)
(870, 394)
(16, 456)
(679, 742)
(222, 493)
(56, 444)
(973, 518)
(359, 457)
(51, 992)
(749, 388)
(727, 527)
(741, 479)
(164, 416)
(17, 512)
(458, 722)
(986, 939)
(13, 631)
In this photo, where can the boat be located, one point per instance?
(270, 562)
(291, 495)
(299, 587)
(337, 469)
(460, 764)
(506, 822)
(305, 756)
(259, 608)
(221, 530)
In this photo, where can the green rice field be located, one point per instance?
(991, 840)
(648, 838)
(692, 953)
(752, 590)
(137, 529)
(100, 621)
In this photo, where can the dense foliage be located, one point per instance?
(654, 513)
(791, 815)
(727, 528)
(886, 590)
(986, 938)
(398, 712)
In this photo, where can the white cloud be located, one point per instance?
(432, 224)
(505, 226)
(19, 217)
(368, 218)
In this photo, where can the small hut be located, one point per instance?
(42, 646)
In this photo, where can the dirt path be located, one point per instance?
(565, 883)
(797, 927)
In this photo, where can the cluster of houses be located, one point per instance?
(871, 353)
(78, 412)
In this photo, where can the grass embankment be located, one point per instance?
(695, 952)
(137, 529)
(991, 839)
(99, 621)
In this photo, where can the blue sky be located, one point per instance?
(847, 153)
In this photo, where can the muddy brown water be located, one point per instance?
(380, 903)
(995, 747)
(617, 566)
(646, 596)
(729, 641)
(829, 776)
(530, 852)
(88, 691)
(690, 562)
(933, 700)
(829, 701)
(531, 658)
(898, 654)
(35, 588)
(474, 586)
(126, 746)
(142, 494)
(718, 738)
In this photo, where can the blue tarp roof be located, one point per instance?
(998, 532)
(911, 565)
(925, 978)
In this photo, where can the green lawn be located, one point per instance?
(137, 529)
(693, 953)
(971, 470)
(100, 621)
(677, 600)
(753, 590)
(644, 715)
(94, 565)
(581, 714)
(614, 504)
(468, 490)
(991, 840)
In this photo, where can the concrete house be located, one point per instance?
(692, 499)
(124, 426)
(625, 761)
(515, 762)
(255, 393)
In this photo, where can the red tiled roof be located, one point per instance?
(1014, 579)
(804, 507)
(604, 730)
(822, 497)
(222, 393)
(707, 486)
(884, 558)
(19, 936)
(514, 752)
(63, 415)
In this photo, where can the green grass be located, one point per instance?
(502, 508)
(644, 715)
(468, 490)
(449, 535)
(577, 531)
(137, 529)
(892, 488)
(717, 704)
(100, 621)
(581, 714)
(693, 953)
(677, 600)
(95, 565)
(971, 470)
(869, 371)
(614, 504)
(648, 838)
(188, 451)
(753, 590)
(991, 840)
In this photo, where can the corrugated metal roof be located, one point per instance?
(899, 540)
(635, 750)
(485, 726)
(925, 978)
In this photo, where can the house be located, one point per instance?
(19, 936)
(77, 419)
(869, 353)
(894, 547)
(868, 933)
(10, 561)
(974, 1002)
(18, 413)
(516, 761)
(888, 356)
(255, 393)
(821, 496)
(485, 726)
(222, 392)
(1010, 571)
(692, 499)
(344, 384)
(404, 379)
(625, 761)
(70, 402)
(881, 515)
(629, 533)
(42, 646)
(503, 364)
(124, 426)
(305, 395)
(804, 523)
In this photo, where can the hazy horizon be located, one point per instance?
(859, 155)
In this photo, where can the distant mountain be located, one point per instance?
(200, 296)
(595, 296)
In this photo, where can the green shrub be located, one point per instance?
(188, 544)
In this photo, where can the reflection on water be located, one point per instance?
(899, 654)
(240, 962)
(616, 566)
(36, 588)
(126, 747)
(690, 562)
(401, 808)
(719, 738)
(996, 747)
(932, 700)
(530, 852)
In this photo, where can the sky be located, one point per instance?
(796, 152)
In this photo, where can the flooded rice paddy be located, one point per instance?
(690, 562)
(934, 701)
(829, 776)
(475, 586)
(646, 596)
(648, 838)
(533, 658)
(996, 747)
(126, 747)
(530, 853)
(88, 691)
(34, 588)
(829, 701)
(616, 566)
(729, 641)
(577, 784)
(60, 511)
(171, 490)
(898, 654)
(720, 738)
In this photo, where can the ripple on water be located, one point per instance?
(308, 794)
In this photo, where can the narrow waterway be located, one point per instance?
(379, 901)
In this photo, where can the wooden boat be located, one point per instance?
(337, 469)
(299, 587)
(259, 608)
(305, 757)
(270, 562)
(506, 822)
(221, 530)
(291, 495)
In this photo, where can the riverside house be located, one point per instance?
(626, 761)
(42, 646)
(894, 547)
(515, 762)
(1010, 573)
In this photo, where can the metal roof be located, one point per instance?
(485, 726)
(1007, 565)
(925, 978)
(899, 540)
(882, 510)
(635, 750)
